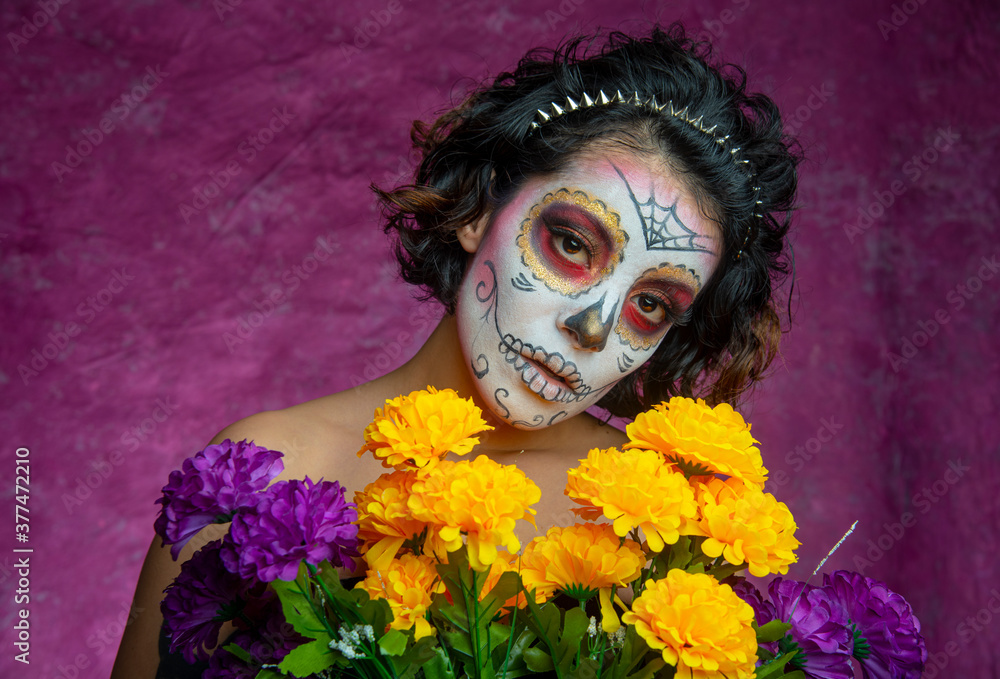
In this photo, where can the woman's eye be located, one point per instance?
(652, 308)
(571, 245)
(572, 248)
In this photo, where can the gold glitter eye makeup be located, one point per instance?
(571, 242)
(658, 299)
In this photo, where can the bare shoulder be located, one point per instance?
(319, 439)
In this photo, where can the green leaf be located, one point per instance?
(298, 608)
(588, 669)
(415, 658)
(561, 634)
(689, 467)
(679, 554)
(467, 625)
(776, 668)
(649, 669)
(459, 642)
(438, 667)
(393, 642)
(310, 658)
(772, 631)
(722, 571)
(239, 652)
(268, 673)
(509, 659)
(353, 606)
(538, 660)
(633, 651)
(575, 623)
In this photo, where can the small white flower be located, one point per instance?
(592, 629)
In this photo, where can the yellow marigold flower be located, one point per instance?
(579, 561)
(384, 520)
(415, 431)
(697, 436)
(746, 525)
(702, 627)
(481, 499)
(634, 489)
(408, 584)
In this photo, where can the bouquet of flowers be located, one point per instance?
(423, 574)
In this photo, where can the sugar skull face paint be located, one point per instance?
(571, 242)
(575, 283)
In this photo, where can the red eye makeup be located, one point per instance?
(659, 299)
(571, 242)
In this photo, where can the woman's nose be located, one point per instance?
(589, 326)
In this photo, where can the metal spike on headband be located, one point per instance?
(602, 99)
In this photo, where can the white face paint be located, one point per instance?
(575, 283)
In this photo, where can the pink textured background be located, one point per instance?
(892, 433)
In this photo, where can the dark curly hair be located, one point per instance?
(477, 155)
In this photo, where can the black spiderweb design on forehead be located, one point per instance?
(661, 227)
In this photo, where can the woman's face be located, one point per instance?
(576, 281)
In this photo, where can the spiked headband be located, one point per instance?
(666, 109)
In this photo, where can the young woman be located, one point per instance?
(602, 229)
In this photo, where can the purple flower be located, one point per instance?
(291, 522)
(819, 633)
(763, 611)
(888, 642)
(212, 486)
(266, 644)
(202, 597)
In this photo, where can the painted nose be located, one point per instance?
(590, 329)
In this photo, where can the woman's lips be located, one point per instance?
(547, 373)
(549, 376)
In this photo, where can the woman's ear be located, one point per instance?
(471, 235)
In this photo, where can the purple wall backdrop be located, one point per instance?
(116, 304)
